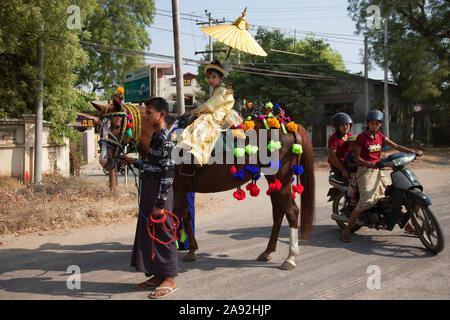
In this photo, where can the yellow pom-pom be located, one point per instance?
(292, 126)
(273, 123)
(120, 90)
(248, 125)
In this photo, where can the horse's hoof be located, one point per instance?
(287, 266)
(264, 257)
(190, 257)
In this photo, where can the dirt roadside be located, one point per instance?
(61, 204)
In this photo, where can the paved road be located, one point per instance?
(231, 235)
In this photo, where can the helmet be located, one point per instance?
(341, 118)
(375, 115)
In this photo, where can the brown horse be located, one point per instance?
(217, 178)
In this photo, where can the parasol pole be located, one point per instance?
(228, 53)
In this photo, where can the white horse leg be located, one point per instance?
(289, 263)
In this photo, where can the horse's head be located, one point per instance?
(112, 132)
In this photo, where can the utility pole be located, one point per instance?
(386, 96)
(178, 60)
(211, 51)
(38, 112)
(366, 81)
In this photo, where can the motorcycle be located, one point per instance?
(404, 200)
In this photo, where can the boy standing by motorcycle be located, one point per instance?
(372, 182)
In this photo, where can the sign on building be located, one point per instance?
(140, 84)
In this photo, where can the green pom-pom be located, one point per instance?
(272, 146)
(270, 115)
(251, 149)
(249, 118)
(297, 148)
(269, 105)
(239, 152)
(265, 124)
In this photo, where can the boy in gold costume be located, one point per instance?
(214, 116)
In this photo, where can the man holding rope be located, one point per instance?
(157, 259)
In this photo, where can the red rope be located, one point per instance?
(152, 222)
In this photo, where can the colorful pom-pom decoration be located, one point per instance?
(120, 90)
(239, 194)
(297, 188)
(251, 149)
(298, 170)
(233, 169)
(292, 126)
(250, 105)
(248, 125)
(239, 152)
(239, 174)
(275, 164)
(274, 145)
(269, 105)
(238, 134)
(297, 148)
(253, 188)
(129, 125)
(273, 123)
(274, 186)
(252, 169)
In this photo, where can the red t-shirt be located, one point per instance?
(341, 147)
(370, 148)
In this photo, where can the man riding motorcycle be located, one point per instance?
(372, 182)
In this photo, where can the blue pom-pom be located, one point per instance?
(252, 169)
(239, 174)
(276, 163)
(297, 169)
(257, 177)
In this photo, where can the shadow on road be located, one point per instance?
(382, 243)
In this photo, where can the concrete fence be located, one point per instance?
(17, 149)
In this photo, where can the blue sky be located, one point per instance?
(327, 19)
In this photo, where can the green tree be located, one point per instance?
(23, 24)
(417, 53)
(66, 63)
(120, 24)
(295, 95)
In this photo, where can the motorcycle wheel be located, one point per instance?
(428, 228)
(339, 203)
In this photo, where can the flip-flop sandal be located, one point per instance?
(171, 290)
(147, 284)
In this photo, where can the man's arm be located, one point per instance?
(400, 148)
(167, 174)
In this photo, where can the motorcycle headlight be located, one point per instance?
(404, 160)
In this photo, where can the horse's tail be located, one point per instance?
(308, 181)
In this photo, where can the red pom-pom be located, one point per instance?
(233, 170)
(274, 186)
(253, 188)
(129, 125)
(298, 188)
(239, 194)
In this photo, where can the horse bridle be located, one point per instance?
(129, 114)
